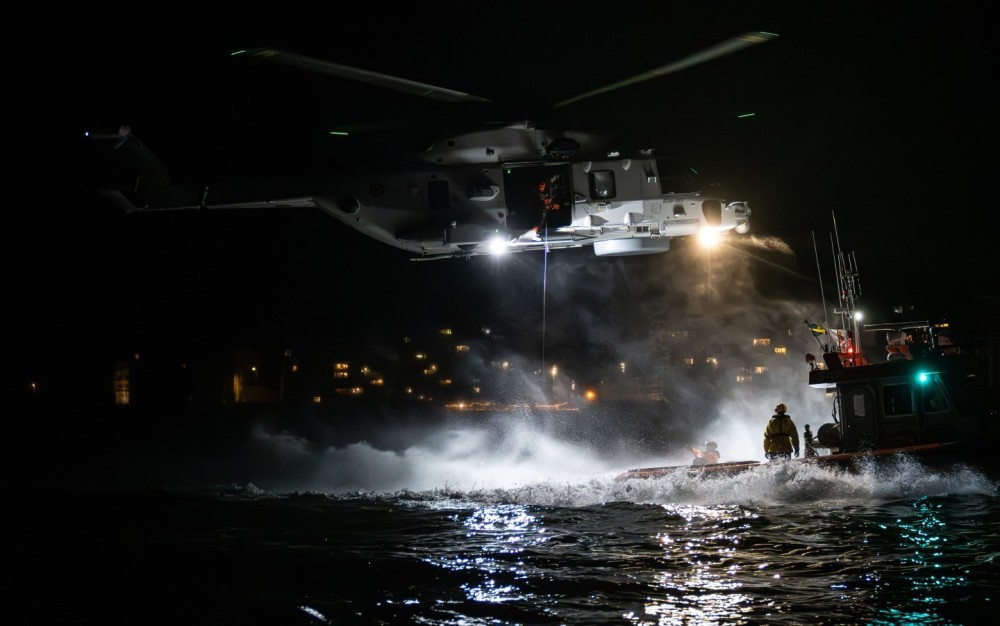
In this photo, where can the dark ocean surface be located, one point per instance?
(485, 528)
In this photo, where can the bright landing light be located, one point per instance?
(497, 245)
(708, 238)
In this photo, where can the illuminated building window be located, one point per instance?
(689, 361)
(237, 387)
(445, 382)
(121, 384)
(714, 362)
(317, 399)
(461, 348)
(743, 378)
(409, 391)
(445, 331)
(340, 367)
(761, 341)
(420, 356)
(760, 369)
(780, 350)
(365, 371)
(121, 392)
(340, 374)
(378, 382)
(476, 390)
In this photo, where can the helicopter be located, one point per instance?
(503, 188)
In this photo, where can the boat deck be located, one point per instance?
(843, 459)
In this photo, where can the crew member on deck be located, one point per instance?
(810, 442)
(781, 436)
(707, 456)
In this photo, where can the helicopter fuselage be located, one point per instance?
(466, 200)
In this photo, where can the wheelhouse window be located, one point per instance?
(934, 399)
(857, 404)
(897, 399)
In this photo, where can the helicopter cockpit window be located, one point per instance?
(673, 177)
(602, 185)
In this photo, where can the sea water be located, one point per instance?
(896, 543)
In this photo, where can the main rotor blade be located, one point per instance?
(352, 73)
(718, 50)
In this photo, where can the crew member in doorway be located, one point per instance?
(781, 437)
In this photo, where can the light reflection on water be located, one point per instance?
(500, 530)
(936, 573)
(900, 546)
(704, 590)
(771, 545)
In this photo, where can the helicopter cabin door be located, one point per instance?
(858, 419)
(539, 196)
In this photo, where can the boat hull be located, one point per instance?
(926, 452)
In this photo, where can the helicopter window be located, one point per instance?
(437, 195)
(674, 178)
(712, 210)
(602, 185)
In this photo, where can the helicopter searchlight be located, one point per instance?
(512, 188)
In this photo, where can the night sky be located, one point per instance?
(883, 117)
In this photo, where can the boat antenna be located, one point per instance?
(849, 288)
(819, 274)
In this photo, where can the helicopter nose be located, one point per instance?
(741, 216)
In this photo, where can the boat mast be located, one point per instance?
(848, 289)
